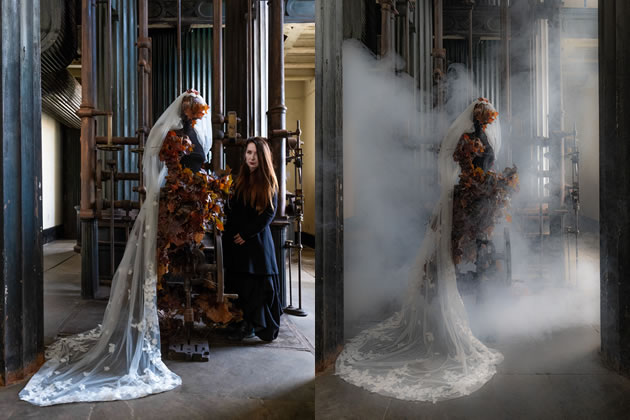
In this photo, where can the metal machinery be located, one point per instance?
(483, 36)
(295, 212)
(112, 190)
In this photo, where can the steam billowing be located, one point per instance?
(390, 187)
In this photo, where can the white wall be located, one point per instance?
(300, 102)
(52, 188)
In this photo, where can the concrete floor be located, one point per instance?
(240, 381)
(557, 374)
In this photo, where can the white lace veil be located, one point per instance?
(121, 359)
(427, 352)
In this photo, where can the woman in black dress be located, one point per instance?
(250, 259)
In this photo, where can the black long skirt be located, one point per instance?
(258, 298)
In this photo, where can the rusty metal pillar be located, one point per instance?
(439, 54)
(277, 122)
(217, 86)
(21, 265)
(89, 222)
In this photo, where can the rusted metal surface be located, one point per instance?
(88, 99)
(89, 248)
(120, 176)
(118, 140)
(144, 51)
(121, 204)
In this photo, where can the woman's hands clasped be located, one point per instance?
(238, 240)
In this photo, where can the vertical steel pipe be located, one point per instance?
(144, 44)
(89, 248)
(217, 85)
(250, 64)
(277, 122)
(277, 110)
(88, 99)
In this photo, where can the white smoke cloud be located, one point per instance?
(390, 187)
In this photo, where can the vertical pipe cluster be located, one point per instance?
(277, 110)
(196, 63)
(121, 65)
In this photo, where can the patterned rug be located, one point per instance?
(88, 314)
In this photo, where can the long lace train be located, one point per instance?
(426, 351)
(121, 359)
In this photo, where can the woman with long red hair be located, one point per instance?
(250, 260)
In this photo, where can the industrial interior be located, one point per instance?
(406, 69)
(108, 71)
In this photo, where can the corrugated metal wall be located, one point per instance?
(125, 80)
(196, 65)
(485, 77)
(486, 71)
